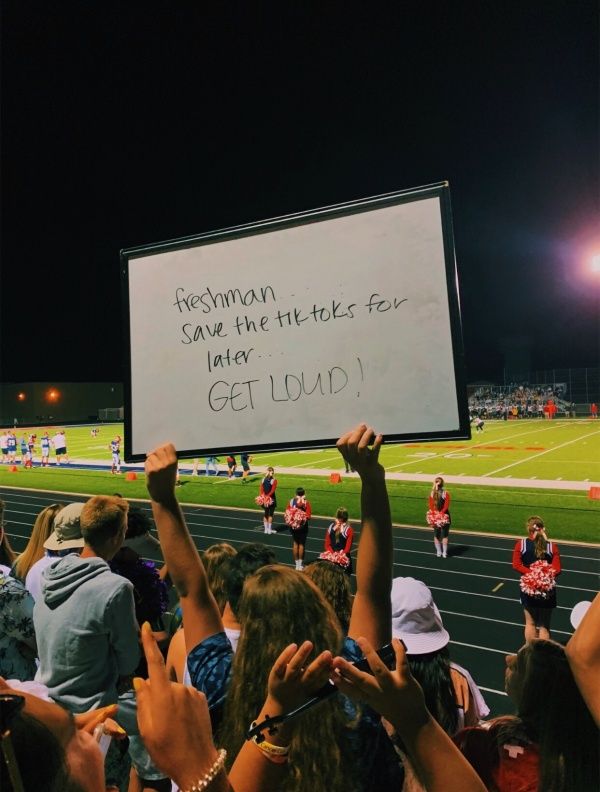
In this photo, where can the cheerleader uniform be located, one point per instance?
(300, 534)
(441, 532)
(523, 556)
(343, 541)
(268, 487)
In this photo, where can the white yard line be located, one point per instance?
(493, 441)
(541, 453)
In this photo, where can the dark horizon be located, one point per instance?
(122, 127)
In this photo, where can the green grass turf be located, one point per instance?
(569, 515)
(530, 449)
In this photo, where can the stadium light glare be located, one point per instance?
(595, 263)
(21, 396)
(52, 395)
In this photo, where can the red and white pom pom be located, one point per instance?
(295, 518)
(539, 581)
(264, 500)
(436, 518)
(336, 557)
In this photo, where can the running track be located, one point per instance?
(475, 588)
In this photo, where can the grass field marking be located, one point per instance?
(541, 453)
(477, 445)
(320, 461)
(498, 621)
(498, 587)
(441, 568)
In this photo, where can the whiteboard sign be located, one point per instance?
(286, 333)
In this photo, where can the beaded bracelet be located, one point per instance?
(209, 777)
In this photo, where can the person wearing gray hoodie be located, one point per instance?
(85, 619)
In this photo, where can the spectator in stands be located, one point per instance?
(34, 550)
(334, 584)
(85, 619)
(235, 570)
(65, 539)
(139, 536)
(215, 559)
(552, 743)
(7, 554)
(52, 752)
(17, 636)
(450, 693)
(537, 607)
(583, 654)
(278, 604)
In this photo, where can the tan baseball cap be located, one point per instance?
(67, 529)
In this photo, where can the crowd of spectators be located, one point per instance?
(270, 679)
(518, 401)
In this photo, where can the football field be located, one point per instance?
(537, 450)
(497, 479)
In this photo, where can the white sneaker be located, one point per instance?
(438, 554)
(444, 555)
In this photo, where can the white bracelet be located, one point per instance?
(209, 777)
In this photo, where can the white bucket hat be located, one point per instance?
(416, 618)
(67, 529)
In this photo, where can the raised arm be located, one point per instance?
(583, 654)
(201, 616)
(371, 612)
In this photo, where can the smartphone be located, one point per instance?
(102, 738)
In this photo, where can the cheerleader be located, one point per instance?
(299, 534)
(339, 537)
(439, 501)
(267, 489)
(537, 609)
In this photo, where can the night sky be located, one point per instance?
(131, 123)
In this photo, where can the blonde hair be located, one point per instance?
(215, 560)
(42, 528)
(535, 526)
(280, 606)
(102, 518)
(334, 584)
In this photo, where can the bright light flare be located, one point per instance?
(595, 264)
(52, 395)
(21, 396)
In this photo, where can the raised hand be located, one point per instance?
(161, 472)
(394, 694)
(360, 448)
(293, 680)
(174, 721)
